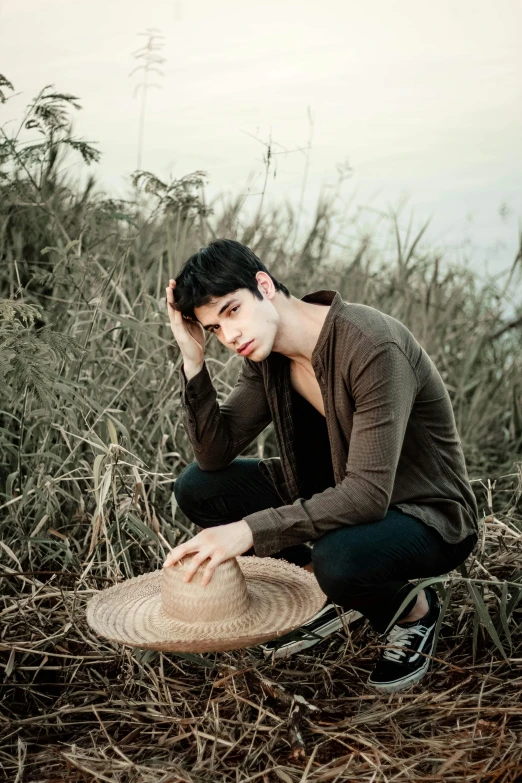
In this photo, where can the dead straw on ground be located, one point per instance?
(77, 708)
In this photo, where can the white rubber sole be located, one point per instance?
(400, 685)
(288, 649)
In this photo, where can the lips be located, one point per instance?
(245, 347)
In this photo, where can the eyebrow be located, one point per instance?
(221, 310)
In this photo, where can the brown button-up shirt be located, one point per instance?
(390, 423)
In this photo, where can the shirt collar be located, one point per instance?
(324, 297)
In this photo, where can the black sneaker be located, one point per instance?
(406, 658)
(324, 623)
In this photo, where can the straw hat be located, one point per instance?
(249, 600)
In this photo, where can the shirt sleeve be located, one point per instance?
(218, 433)
(384, 387)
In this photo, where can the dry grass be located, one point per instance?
(76, 708)
(90, 440)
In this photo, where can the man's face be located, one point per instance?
(239, 318)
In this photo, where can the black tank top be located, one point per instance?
(312, 447)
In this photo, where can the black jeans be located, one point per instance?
(363, 567)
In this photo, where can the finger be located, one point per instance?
(175, 554)
(209, 570)
(171, 558)
(195, 563)
(173, 310)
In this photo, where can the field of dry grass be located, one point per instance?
(90, 439)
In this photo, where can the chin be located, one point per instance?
(258, 355)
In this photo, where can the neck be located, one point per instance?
(299, 327)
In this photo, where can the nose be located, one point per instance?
(231, 336)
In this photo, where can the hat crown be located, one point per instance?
(223, 598)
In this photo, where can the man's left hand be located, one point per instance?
(215, 544)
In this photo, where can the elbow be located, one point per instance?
(372, 513)
(377, 512)
(368, 492)
(211, 463)
(374, 506)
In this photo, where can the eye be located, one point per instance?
(232, 310)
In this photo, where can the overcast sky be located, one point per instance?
(423, 99)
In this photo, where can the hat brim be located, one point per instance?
(282, 597)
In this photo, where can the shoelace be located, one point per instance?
(401, 637)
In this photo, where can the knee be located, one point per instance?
(187, 486)
(338, 567)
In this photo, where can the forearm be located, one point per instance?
(202, 418)
(219, 433)
(308, 519)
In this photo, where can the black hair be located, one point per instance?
(218, 269)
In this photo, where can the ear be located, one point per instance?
(265, 284)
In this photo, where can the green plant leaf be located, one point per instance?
(193, 658)
(97, 473)
(485, 618)
(443, 610)
(474, 638)
(113, 435)
(413, 592)
(513, 601)
(10, 483)
(504, 617)
(140, 528)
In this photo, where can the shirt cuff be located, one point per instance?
(266, 531)
(198, 386)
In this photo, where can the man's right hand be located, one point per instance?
(189, 335)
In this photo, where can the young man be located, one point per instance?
(371, 468)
